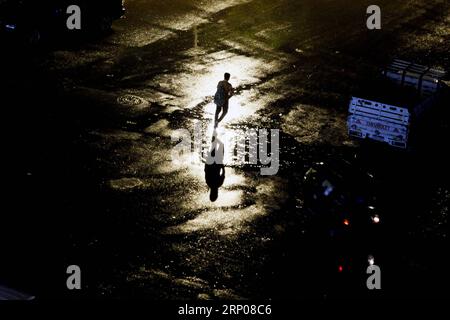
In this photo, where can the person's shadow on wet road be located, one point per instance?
(214, 167)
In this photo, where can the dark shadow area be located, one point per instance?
(45, 26)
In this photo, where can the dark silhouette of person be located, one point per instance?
(214, 168)
(223, 94)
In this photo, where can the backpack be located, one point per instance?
(220, 96)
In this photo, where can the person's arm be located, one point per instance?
(231, 91)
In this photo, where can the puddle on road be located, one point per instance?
(231, 214)
(192, 86)
(235, 209)
(241, 199)
(196, 79)
(224, 222)
(125, 184)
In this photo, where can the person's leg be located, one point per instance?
(224, 112)
(216, 117)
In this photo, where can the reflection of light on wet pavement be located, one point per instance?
(149, 21)
(232, 138)
(224, 222)
(190, 86)
(227, 198)
(233, 179)
(125, 183)
(243, 70)
(200, 78)
(176, 79)
(230, 215)
(239, 109)
(196, 81)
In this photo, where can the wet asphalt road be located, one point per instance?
(90, 177)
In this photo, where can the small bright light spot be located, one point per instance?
(371, 260)
(341, 268)
(346, 222)
(376, 219)
(371, 208)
